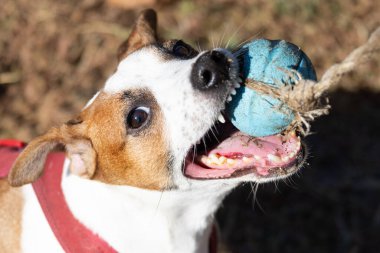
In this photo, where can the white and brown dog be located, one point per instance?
(134, 174)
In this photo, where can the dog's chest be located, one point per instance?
(129, 219)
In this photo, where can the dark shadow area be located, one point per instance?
(333, 205)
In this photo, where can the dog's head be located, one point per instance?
(155, 123)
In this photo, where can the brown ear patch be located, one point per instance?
(143, 33)
(30, 164)
(122, 158)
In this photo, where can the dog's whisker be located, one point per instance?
(158, 203)
(204, 144)
(199, 47)
(194, 152)
(236, 31)
(249, 39)
(255, 198)
(277, 189)
(215, 136)
(212, 41)
(220, 42)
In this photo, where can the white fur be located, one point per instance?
(36, 235)
(137, 220)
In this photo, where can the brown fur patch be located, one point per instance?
(10, 218)
(143, 33)
(123, 158)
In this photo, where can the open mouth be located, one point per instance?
(225, 152)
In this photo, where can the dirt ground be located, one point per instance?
(54, 55)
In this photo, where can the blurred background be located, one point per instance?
(54, 55)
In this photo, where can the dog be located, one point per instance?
(150, 157)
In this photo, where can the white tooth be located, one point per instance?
(292, 154)
(236, 85)
(258, 158)
(221, 118)
(222, 159)
(214, 159)
(285, 158)
(274, 158)
(230, 161)
(233, 92)
(229, 98)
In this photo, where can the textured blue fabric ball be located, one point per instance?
(267, 61)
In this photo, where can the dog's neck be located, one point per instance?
(137, 220)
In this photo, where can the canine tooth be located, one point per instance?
(274, 158)
(205, 159)
(221, 118)
(233, 92)
(230, 161)
(229, 98)
(236, 85)
(293, 133)
(285, 158)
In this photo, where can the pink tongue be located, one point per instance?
(241, 151)
(240, 144)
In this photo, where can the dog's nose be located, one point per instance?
(210, 70)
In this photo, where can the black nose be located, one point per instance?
(210, 70)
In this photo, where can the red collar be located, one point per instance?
(72, 235)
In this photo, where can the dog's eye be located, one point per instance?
(182, 50)
(138, 117)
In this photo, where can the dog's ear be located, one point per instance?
(31, 162)
(143, 33)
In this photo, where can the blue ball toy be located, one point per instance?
(269, 62)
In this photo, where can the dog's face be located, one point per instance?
(142, 129)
